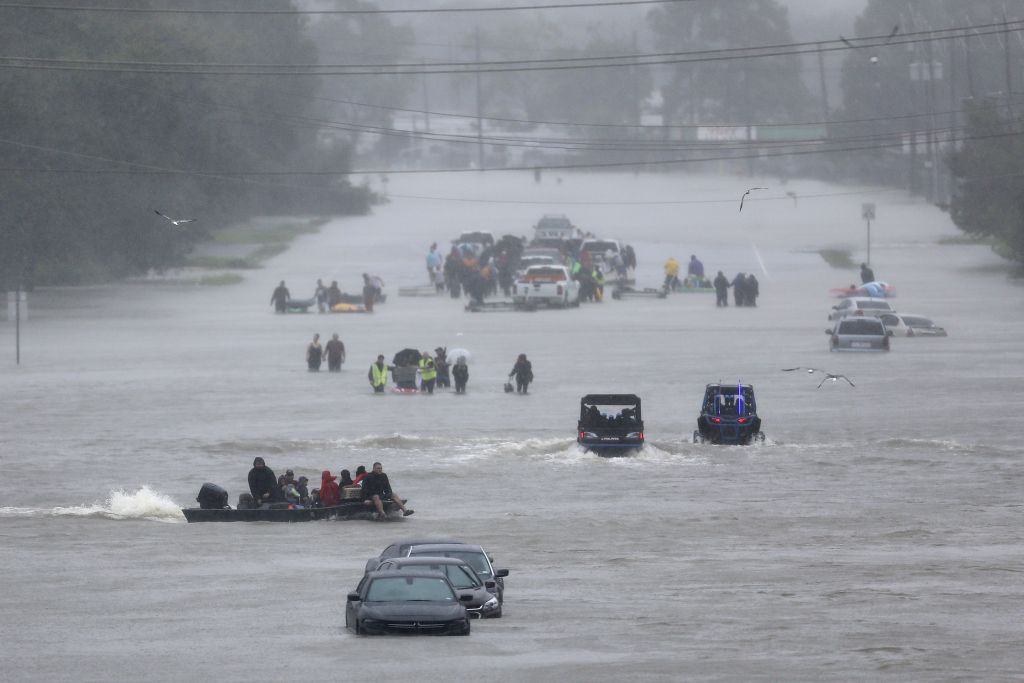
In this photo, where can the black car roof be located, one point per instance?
(611, 399)
(423, 574)
(424, 560)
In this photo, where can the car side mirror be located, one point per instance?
(501, 573)
(829, 332)
(466, 597)
(490, 584)
(890, 333)
(353, 597)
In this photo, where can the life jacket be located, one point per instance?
(380, 375)
(427, 369)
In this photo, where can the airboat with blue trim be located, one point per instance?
(728, 415)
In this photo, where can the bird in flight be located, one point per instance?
(829, 377)
(748, 192)
(175, 221)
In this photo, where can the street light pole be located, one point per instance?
(17, 324)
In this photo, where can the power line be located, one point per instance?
(481, 66)
(147, 169)
(424, 10)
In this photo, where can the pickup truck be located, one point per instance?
(547, 284)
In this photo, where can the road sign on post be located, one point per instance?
(867, 212)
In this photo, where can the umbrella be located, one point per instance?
(453, 355)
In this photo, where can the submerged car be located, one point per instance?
(474, 556)
(859, 334)
(610, 424)
(728, 415)
(421, 602)
(911, 325)
(401, 549)
(860, 305)
(462, 577)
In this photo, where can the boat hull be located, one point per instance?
(353, 510)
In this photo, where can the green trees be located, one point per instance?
(86, 155)
(989, 168)
(765, 90)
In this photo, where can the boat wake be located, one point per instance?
(142, 504)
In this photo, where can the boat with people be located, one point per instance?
(350, 503)
(287, 512)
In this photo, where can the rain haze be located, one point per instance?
(670, 200)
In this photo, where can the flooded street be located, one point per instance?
(876, 534)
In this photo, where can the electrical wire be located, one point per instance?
(423, 10)
(505, 66)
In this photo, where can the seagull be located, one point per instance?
(748, 192)
(175, 221)
(829, 377)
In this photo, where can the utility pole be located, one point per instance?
(479, 109)
(953, 118)
(825, 109)
(426, 100)
(1009, 74)
(17, 323)
(933, 157)
(637, 106)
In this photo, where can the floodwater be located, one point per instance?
(877, 534)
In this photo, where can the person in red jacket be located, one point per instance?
(360, 474)
(330, 494)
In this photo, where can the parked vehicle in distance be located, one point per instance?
(911, 325)
(462, 577)
(422, 602)
(610, 424)
(401, 549)
(553, 228)
(551, 285)
(600, 250)
(860, 305)
(728, 415)
(535, 259)
(473, 555)
(859, 333)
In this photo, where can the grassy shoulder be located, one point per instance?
(242, 247)
(838, 258)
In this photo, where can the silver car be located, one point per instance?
(860, 305)
(859, 333)
(911, 325)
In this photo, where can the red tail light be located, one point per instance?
(742, 420)
(716, 420)
(581, 436)
(641, 436)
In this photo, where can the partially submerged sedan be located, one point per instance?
(858, 333)
(860, 305)
(911, 325)
(473, 555)
(462, 577)
(410, 603)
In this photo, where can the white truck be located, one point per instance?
(546, 284)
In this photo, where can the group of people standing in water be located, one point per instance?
(333, 352)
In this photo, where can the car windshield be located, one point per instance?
(861, 326)
(474, 558)
(554, 222)
(730, 401)
(874, 305)
(458, 575)
(409, 588)
(914, 321)
(594, 415)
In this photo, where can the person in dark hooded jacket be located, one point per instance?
(263, 483)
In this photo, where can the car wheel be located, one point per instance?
(496, 615)
(466, 631)
(697, 438)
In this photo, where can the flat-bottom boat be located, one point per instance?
(285, 513)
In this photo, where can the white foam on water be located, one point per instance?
(142, 504)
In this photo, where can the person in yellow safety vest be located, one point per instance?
(428, 373)
(378, 375)
(671, 274)
(598, 284)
